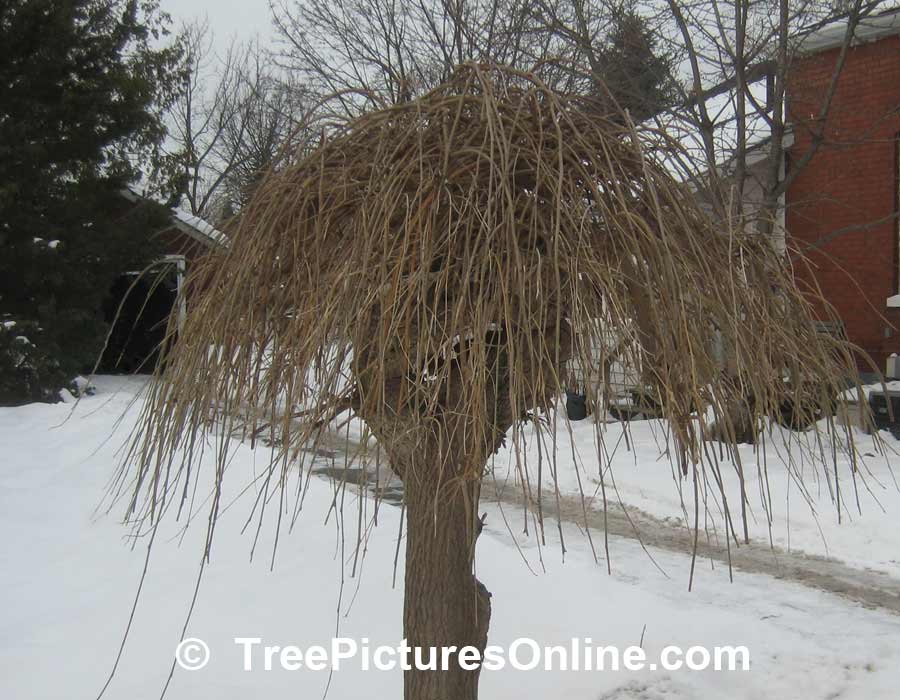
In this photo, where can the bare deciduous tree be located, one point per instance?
(431, 267)
(386, 51)
(739, 56)
(381, 52)
(208, 105)
(233, 117)
(272, 129)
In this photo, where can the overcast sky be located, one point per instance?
(240, 19)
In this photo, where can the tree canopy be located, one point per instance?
(432, 267)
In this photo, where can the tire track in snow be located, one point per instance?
(867, 587)
(871, 589)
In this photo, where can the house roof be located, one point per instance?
(870, 28)
(198, 228)
(193, 226)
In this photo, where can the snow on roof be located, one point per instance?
(870, 28)
(194, 226)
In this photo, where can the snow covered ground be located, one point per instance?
(69, 578)
(637, 472)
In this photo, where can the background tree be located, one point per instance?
(83, 87)
(739, 56)
(232, 117)
(609, 50)
(214, 99)
(377, 52)
(272, 130)
(432, 267)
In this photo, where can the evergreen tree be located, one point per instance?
(83, 86)
(636, 71)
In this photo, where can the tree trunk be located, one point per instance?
(738, 425)
(444, 604)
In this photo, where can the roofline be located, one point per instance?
(870, 28)
(214, 239)
(202, 232)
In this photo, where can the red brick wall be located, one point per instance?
(850, 182)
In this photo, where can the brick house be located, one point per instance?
(842, 208)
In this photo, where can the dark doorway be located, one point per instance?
(140, 327)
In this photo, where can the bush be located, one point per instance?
(27, 373)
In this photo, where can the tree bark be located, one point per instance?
(444, 604)
(440, 456)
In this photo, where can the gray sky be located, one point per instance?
(238, 19)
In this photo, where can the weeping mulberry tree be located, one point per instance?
(433, 267)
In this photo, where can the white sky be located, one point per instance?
(229, 19)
